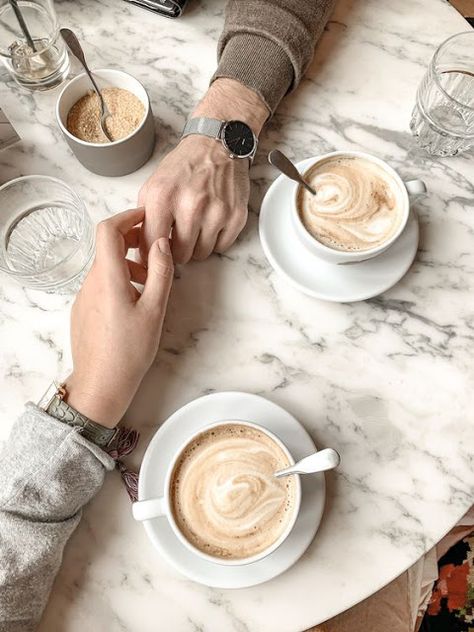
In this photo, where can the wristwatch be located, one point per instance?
(237, 137)
(53, 404)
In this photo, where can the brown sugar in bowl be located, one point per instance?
(124, 155)
(126, 114)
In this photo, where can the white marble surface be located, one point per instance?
(389, 382)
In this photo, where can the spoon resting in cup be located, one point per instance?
(321, 461)
(284, 164)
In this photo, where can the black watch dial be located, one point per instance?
(238, 138)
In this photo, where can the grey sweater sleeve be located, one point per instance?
(268, 44)
(48, 472)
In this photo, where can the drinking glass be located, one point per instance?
(46, 234)
(443, 117)
(30, 43)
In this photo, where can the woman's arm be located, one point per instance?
(48, 471)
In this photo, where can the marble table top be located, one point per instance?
(389, 382)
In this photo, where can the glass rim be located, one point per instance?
(434, 62)
(84, 212)
(51, 38)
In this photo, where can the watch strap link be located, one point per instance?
(92, 431)
(205, 126)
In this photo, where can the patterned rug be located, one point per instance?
(451, 607)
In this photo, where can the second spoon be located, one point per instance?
(284, 164)
(76, 49)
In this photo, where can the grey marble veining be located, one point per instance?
(389, 381)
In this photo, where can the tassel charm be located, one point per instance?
(123, 444)
(130, 480)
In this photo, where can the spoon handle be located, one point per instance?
(74, 45)
(76, 49)
(284, 164)
(321, 461)
(22, 23)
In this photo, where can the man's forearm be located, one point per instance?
(267, 44)
(228, 99)
(47, 474)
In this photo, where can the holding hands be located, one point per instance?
(199, 196)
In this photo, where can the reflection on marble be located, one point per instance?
(389, 382)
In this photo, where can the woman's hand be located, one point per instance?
(115, 330)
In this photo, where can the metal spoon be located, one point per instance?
(321, 461)
(22, 23)
(76, 49)
(284, 164)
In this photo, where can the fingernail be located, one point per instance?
(164, 245)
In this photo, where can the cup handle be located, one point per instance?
(147, 509)
(415, 187)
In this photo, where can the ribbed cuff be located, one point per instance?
(259, 64)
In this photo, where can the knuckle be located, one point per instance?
(241, 214)
(215, 223)
(159, 192)
(222, 247)
(189, 214)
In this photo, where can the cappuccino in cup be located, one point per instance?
(358, 204)
(224, 498)
(360, 209)
(221, 497)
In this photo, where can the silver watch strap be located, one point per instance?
(205, 126)
(100, 435)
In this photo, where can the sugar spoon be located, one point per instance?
(321, 461)
(76, 49)
(284, 164)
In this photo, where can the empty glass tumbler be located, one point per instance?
(30, 43)
(443, 118)
(46, 234)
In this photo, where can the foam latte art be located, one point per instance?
(226, 501)
(357, 206)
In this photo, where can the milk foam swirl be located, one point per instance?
(226, 500)
(357, 205)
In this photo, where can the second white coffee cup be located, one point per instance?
(331, 255)
(154, 507)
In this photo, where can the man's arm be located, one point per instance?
(197, 189)
(268, 44)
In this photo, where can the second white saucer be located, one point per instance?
(313, 276)
(188, 420)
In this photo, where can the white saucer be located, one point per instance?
(328, 281)
(165, 443)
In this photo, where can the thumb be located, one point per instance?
(159, 277)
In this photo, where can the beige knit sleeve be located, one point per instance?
(268, 44)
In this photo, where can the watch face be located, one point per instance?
(238, 138)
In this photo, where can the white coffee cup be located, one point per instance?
(331, 255)
(155, 507)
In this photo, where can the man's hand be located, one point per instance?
(197, 189)
(115, 330)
